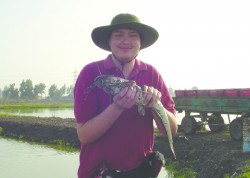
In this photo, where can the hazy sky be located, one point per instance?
(203, 43)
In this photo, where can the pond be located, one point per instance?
(25, 160)
(44, 112)
(29, 160)
(48, 112)
(69, 113)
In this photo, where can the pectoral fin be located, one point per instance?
(141, 110)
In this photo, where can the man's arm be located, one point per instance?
(98, 125)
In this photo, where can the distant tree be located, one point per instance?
(194, 88)
(26, 89)
(6, 92)
(55, 93)
(39, 89)
(62, 90)
(10, 92)
(70, 91)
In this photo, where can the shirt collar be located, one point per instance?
(109, 64)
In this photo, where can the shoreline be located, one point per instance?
(39, 129)
(206, 153)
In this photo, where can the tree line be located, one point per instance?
(27, 90)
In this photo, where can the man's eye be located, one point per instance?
(118, 35)
(134, 35)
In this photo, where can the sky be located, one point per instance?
(202, 43)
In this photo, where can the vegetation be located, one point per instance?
(27, 90)
(245, 173)
(177, 171)
(56, 144)
(30, 92)
(63, 145)
(31, 105)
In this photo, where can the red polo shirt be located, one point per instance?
(131, 137)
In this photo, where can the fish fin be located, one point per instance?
(141, 110)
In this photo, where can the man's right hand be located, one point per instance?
(126, 98)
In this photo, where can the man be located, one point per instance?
(113, 132)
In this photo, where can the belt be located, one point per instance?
(134, 173)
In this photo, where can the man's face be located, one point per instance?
(125, 44)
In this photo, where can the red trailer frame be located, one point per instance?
(208, 105)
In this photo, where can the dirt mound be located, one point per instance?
(39, 129)
(209, 154)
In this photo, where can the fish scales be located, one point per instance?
(113, 85)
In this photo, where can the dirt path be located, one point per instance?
(210, 155)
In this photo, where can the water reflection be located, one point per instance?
(69, 113)
(24, 160)
(55, 112)
(50, 112)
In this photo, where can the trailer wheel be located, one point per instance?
(216, 123)
(188, 125)
(236, 129)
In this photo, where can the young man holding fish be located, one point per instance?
(116, 141)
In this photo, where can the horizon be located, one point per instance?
(202, 43)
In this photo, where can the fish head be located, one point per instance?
(111, 84)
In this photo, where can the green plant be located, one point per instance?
(245, 173)
(62, 145)
(177, 171)
(1, 130)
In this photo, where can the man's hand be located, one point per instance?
(152, 95)
(126, 98)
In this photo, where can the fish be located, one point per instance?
(113, 85)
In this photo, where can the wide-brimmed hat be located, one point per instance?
(100, 35)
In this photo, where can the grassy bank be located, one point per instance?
(36, 105)
(31, 104)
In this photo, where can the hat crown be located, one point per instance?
(124, 18)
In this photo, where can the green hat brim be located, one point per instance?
(100, 35)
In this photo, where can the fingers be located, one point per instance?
(126, 98)
(152, 95)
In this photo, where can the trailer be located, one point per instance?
(206, 107)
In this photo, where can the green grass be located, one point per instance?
(35, 105)
(176, 170)
(61, 145)
(245, 173)
(31, 104)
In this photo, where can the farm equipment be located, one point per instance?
(209, 105)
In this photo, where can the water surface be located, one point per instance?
(30, 160)
(42, 112)
(25, 160)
